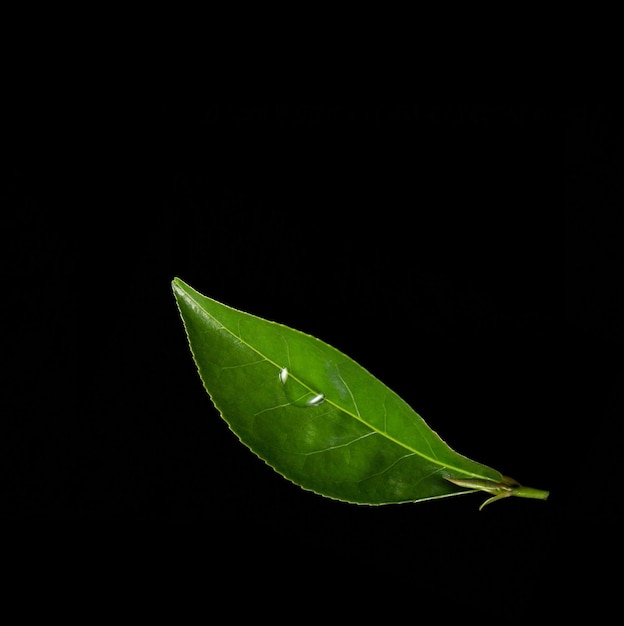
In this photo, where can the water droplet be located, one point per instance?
(299, 394)
(316, 400)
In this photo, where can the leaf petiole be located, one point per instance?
(503, 489)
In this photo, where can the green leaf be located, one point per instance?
(320, 419)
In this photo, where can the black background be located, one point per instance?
(468, 253)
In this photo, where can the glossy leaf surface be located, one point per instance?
(315, 415)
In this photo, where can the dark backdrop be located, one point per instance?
(466, 253)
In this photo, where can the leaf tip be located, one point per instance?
(178, 286)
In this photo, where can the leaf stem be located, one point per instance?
(529, 492)
(503, 489)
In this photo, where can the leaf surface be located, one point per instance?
(315, 415)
